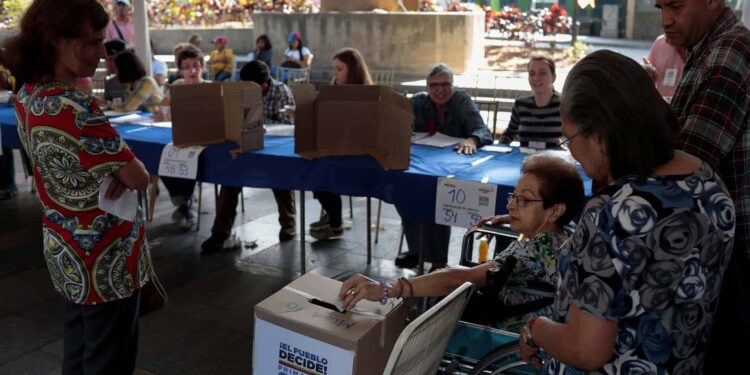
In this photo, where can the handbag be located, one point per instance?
(153, 296)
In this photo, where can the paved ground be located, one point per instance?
(207, 326)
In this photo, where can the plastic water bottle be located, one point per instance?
(484, 249)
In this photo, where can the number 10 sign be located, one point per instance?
(462, 203)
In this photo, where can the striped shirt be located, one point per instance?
(711, 104)
(146, 95)
(530, 123)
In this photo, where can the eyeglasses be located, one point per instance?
(565, 141)
(521, 201)
(442, 85)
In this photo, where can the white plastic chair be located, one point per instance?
(421, 345)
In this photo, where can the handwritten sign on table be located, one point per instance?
(181, 162)
(462, 203)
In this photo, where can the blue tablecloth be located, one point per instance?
(277, 166)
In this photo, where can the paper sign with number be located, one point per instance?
(181, 162)
(463, 203)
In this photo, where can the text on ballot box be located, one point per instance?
(463, 203)
(180, 162)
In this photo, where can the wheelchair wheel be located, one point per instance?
(504, 360)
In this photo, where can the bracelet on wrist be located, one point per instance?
(384, 300)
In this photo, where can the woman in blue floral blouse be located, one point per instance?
(548, 196)
(640, 278)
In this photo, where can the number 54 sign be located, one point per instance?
(463, 203)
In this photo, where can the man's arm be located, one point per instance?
(716, 116)
(473, 124)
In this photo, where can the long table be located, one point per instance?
(277, 166)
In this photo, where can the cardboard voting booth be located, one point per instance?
(353, 120)
(210, 113)
(294, 335)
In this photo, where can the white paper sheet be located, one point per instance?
(417, 136)
(125, 207)
(180, 162)
(439, 140)
(497, 148)
(162, 124)
(279, 130)
(132, 118)
(113, 113)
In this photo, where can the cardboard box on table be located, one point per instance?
(353, 120)
(209, 113)
(294, 336)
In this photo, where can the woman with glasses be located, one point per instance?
(640, 278)
(451, 112)
(548, 196)
(535, 120)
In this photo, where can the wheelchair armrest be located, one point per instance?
(467, 246)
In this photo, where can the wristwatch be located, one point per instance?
(526, 336)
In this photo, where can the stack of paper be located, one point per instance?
(438, 140)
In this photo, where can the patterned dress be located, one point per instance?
(650, 255)
(537, 261)
(92, 256)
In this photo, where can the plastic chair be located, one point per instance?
(420, 347)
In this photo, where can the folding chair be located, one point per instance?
(420, 347)
(293, 76)
(383, 77)
(491, 107)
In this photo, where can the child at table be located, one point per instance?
(190, 63)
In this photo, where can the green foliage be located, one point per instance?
(11, 12)
(577, 51)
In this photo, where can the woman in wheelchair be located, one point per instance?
(548, 195)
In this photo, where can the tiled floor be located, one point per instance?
(207, 326)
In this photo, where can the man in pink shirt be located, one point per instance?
(121, 25)
(664, 64)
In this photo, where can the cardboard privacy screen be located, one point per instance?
(353, 120)
(210, 113)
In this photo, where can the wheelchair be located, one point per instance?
(476, 345)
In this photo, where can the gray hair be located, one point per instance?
(439, 70)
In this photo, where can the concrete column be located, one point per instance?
(630, 20)
(142, 41)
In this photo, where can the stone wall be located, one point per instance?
(406, 42)
(240, 40)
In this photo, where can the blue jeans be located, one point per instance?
(222, 76)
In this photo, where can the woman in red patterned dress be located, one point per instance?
(97, 261)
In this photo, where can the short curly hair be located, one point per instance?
(560, 183)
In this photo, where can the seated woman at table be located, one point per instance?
(144, 93)
(190, 64)
(535, 120)
(451, 112)
(349, 68)
(548, 195)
